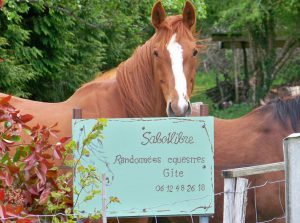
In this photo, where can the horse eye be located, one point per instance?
(195, 52)
(155, 53)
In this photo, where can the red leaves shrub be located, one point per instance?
(27, 171)
(1, 5)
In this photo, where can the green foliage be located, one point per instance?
(290, 75)
(43, 44)
(262, 22)
(86, 176)
(234, 111)
(205, 81)
(176, 6)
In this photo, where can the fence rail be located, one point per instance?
(253, 170)
(236, 187)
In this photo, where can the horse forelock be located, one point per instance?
(285, 111)
(171, 25)
(135, 76)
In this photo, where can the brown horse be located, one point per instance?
(156, 81)
(254, 139)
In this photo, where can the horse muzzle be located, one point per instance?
(174, 110)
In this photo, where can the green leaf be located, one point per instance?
(17, 155)
(5, 158)
(16, 138)
(27, 131)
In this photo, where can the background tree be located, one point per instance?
(263, 22)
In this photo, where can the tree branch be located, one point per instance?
(287, 51)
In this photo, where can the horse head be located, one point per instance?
(174, 57)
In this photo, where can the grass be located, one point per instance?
(205, 81)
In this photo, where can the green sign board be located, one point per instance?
(154, 166)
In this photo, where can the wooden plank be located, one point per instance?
(238, 39)
(245, 44)
(229, 188)
(292, 176)
(226, 37)
(253, 170)
(240, 200)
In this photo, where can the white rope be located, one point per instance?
(192, 218)
(255, 207)
(155, 219)
(273, 219)
(280, 201)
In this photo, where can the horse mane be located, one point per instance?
(285, 110)
(135, 76)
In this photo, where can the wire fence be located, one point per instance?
(41, 218)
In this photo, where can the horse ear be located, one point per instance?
(189, 15)
(158, 14)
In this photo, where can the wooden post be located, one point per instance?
(240, 200)
(246, 72)
(235, 200)
(200, 109)
(236, 70)
(292, 177)
(77, 113)
(104, 218)
(229, 188)
(204, 219)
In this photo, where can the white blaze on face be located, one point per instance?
(176, 54)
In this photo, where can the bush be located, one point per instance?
(28, 176)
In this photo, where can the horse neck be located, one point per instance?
(140, 94)
(257, 126)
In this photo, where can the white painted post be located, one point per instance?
(104, 218)
(204, 219)
(292, 177)
(229, 188)
(240, 200)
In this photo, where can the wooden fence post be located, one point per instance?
(229, 188)
(77, 113)
(235, 200)
(200, 109)
(235, 203)
(292, 177)
(240, 200)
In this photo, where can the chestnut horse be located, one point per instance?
(157, 80)
(254, 139)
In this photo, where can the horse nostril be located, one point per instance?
(170, 111)
(173, 109)
(188, 112)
